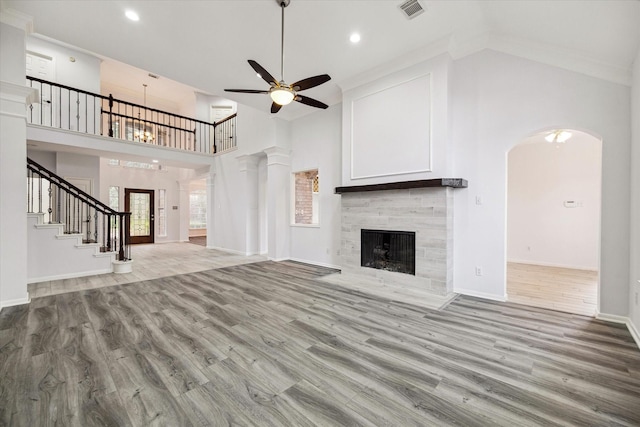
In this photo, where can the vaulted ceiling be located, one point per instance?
(206, 44)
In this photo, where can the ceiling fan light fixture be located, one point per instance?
(558, 136)
(282, 96)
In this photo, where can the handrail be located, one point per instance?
(226, 119)
(79, 212)
(68, 108)
(40, 169)
(84, 92)
(151, 122)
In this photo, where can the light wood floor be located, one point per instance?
(149, 262)
(266, 344)
(564, 289)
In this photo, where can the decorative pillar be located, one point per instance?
(183, 212)
(248, 166)
(14, 99)
(211, 204)
(278, 206)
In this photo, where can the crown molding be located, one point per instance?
(17, 19)
(568, 59)
(460, 45)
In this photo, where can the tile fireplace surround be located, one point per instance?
(424, 207)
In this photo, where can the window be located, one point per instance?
(306, 190)
(162, 213)
(198, 209)
(114, 198)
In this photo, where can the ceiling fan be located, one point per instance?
(280, 92)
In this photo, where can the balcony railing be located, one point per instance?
(68, 108)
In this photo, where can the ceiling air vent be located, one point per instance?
(412, 8)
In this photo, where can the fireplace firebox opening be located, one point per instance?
(389, 250)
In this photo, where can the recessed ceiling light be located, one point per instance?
(132, 15)
(154, 161)
(355, 38)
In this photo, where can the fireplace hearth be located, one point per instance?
(389, 250)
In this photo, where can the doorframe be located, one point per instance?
(137, 239)
(600, 208)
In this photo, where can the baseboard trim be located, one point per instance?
(232, 251)
(70, 275)
(471, 293)
(623, 320)
(634, 332)
(551, 264)
(17, 301)
(612, 318)
(278, 259)
(319, 264)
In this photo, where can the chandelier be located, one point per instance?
(143, 134)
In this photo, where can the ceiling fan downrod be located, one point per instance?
(283, 4)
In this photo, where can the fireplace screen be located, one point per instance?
(389, 250)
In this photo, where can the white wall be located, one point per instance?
(541, 229)
(498, 100)
(634, 291)
(255, 131)
(46, 159)
(317, 145)
(202, 106)
(72, 165)
(83, 74)
(124, 177)
(353, 157)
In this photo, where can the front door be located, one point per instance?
(140, 204)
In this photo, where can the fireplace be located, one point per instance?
(395, 212)
(388, 250)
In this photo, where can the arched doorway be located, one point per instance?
(553, 221)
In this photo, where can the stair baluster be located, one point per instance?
(75, 209)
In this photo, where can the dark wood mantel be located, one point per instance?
(406, 185)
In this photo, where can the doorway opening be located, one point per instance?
(140, 204)
(198, 212)
(553, 222)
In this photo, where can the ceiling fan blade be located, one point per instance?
(275, 107)
(310, 82)
(263, 73)
(246, 91)
(310, 101)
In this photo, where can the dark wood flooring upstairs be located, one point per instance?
(265, 344)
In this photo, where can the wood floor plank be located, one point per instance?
(270, 344)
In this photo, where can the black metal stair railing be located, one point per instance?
(63, 203)
(68, 108)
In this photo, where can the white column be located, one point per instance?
(14, 98)
(248, 166)
(211, 205)
(183, 209)
(13, 197)
(278, 205)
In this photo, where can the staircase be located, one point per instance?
(70, 233)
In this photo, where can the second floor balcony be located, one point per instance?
(68, 108)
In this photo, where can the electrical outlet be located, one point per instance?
(478, 271)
